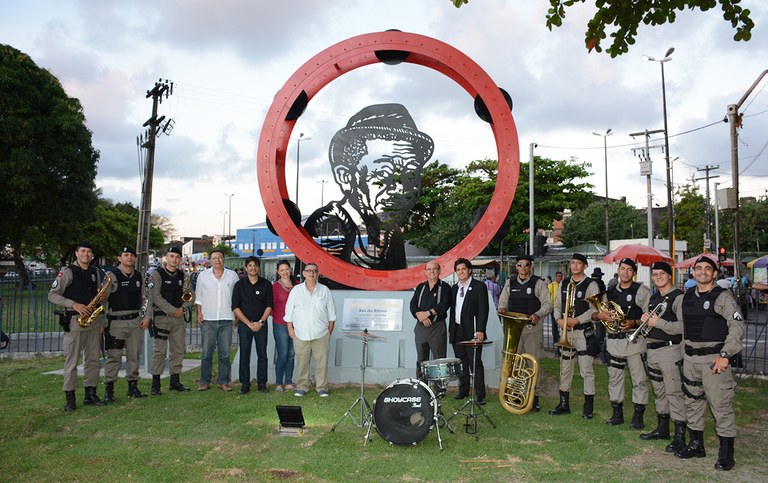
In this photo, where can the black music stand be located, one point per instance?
(470, 426)
(365, 408)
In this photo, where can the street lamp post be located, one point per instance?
(223, 222)
(670, 206)
(298, 157)
(322, 190)
(229, 231)
(605, 150)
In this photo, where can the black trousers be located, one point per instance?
(466, 354)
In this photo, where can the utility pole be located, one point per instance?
(162, 88)
(646, 169)
(707, 177)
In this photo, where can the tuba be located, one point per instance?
(519, 372)
(96, 304)
(186, 288)
(613, 326)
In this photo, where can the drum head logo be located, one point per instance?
(414, 401)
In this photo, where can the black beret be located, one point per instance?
(629, 262)
(128, 249)
(705, 259)
(176, 250)
(84, 245)
(579, 257)
(662, 266)
(525, 257)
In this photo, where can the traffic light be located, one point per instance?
(721, 254)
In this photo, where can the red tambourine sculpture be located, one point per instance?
(391, 47)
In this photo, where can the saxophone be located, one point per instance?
(519, 372)
(96, 306)
(186, 288)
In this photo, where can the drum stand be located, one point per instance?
(470, 426)
(365, 408)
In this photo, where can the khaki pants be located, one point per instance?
(128, 335)
(718, 389)
(87, 341)
(586, 370)
(632, 353)
(530, 343)
(317, 349)
(662, 362)
(168, 331)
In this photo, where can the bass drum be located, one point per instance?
(404, 412)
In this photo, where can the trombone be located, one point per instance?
(564, 343)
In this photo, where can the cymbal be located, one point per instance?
(364, 335)
(474, 343)
(517, 316)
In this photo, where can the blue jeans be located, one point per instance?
(216, 334)
(284, 359)
(247, 338)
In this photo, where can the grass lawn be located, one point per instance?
(224, 436)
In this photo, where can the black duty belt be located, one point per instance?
(620, 335)
(123, 317)
(703, 351)
(71, 313)
(657, 345)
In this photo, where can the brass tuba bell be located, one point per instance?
(519, 372)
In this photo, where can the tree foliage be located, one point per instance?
(624, 17)
(625, 221)
(450, 197)
(753, 232)
(47, 160)
(690, 219)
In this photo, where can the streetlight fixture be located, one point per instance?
(298, 151)
(670, 206)
(229, 232)
(223, 222)
(605, 150)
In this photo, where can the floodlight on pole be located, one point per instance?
(605, 150)
(298, 158)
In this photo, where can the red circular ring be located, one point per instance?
(342, 58)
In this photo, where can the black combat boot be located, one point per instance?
(662, 429)
(695, 447)
(678, 440)
(618, 414)
(725, 458)
(536, 407)
(156, 385)
(133, 390)
(564, 407)
(71, 401)
(109, 392)
(589, 406)
(176, 384)
(637, 418)
(91, 398)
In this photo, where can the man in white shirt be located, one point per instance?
(214, 314)
(310, 315)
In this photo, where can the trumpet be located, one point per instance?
(644, 328)
(613, 326)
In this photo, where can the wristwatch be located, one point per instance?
(724, 355)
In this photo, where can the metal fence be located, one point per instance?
(28, 319)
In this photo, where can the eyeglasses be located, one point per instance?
(310, 270)
(523, 265)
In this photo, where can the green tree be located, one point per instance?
(690, 222)
(624, 17)
(443, 214)
(753, 233)
(226, 249)
(589, 224)
(46, 158)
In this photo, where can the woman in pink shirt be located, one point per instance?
(283, 343)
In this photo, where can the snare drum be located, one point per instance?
(445, 369)
(403, 413)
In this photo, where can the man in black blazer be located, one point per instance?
(470, 302)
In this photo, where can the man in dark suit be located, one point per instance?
(469, 317)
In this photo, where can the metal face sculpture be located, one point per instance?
(377, 160)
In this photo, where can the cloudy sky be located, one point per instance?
(228, 58)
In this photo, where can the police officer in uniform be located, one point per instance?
(583, 329)
(167, 286)
(430, 304)
(633, 298)
(528, 294)
(713, 332)
(124, 325)
(73, 289)
(664, 354)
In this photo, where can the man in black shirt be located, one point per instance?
(430, 304)
(252, 304)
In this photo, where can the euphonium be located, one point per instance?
(570, 310)
(613, 326)
(96, 303)
(186, 288)
(644, 328)
(519, 372)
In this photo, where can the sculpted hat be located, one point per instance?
(175, 250)
(662, 266)
(579, 257)
(629, 262)
(128, 249)
(705, 259)
(380, 121)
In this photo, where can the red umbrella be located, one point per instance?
(642, 254)
(688, 262)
